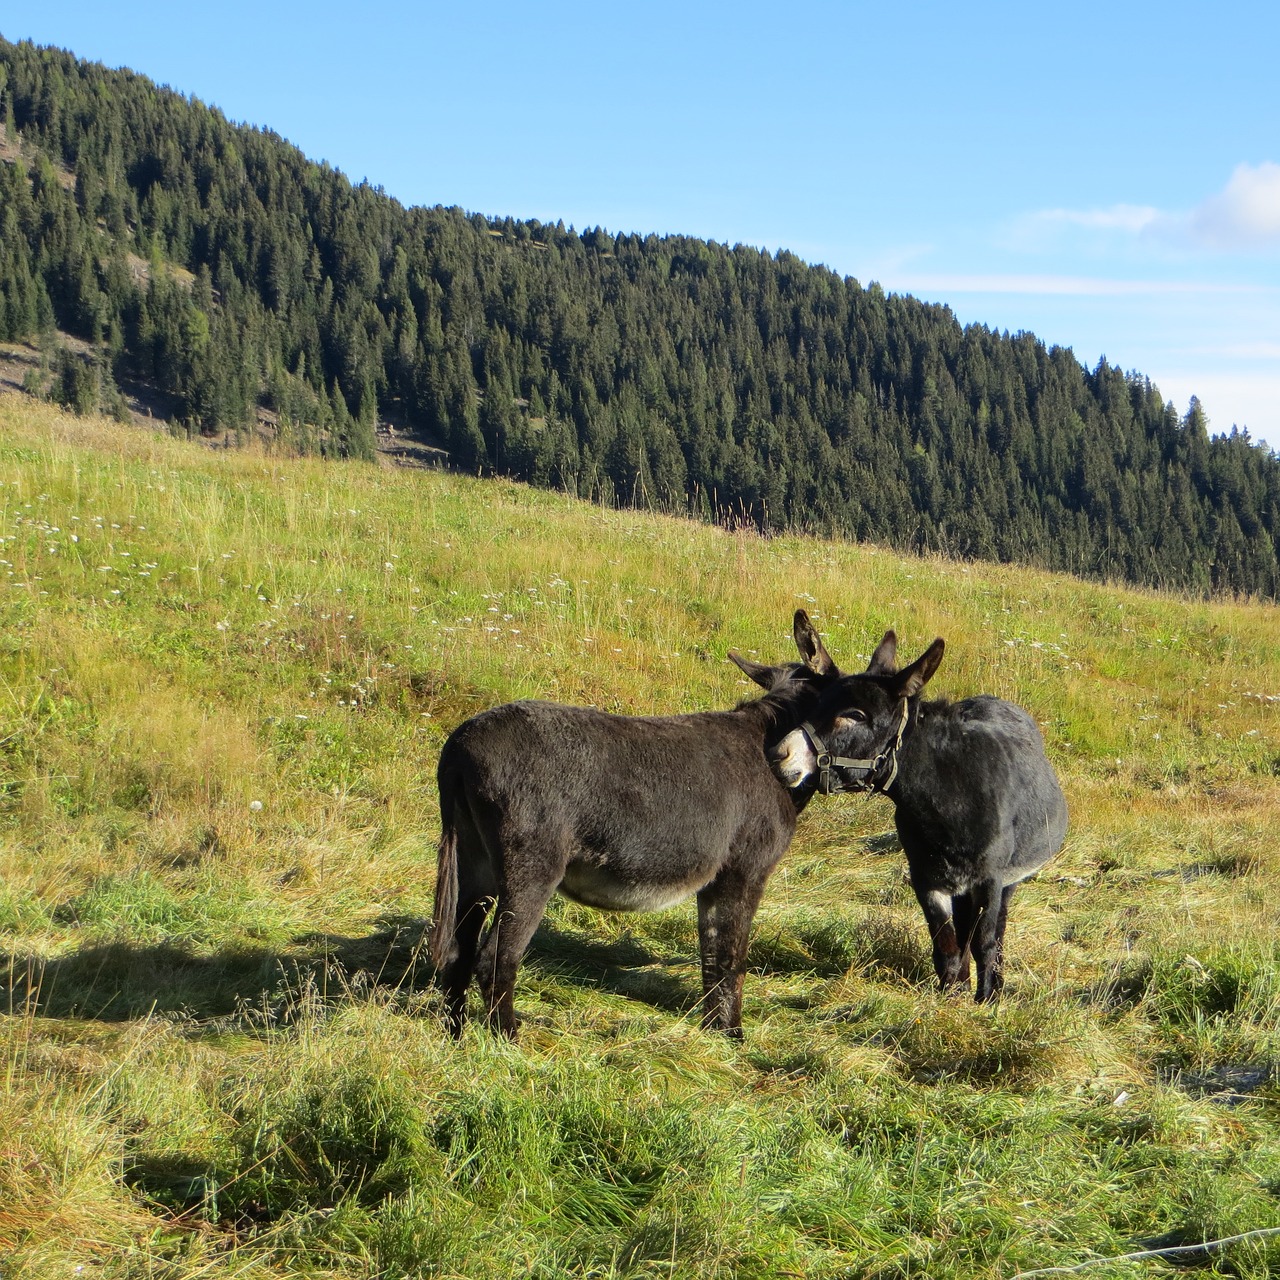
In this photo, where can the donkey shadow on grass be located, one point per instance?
(120, 981)
(117, 981)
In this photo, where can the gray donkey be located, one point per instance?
(976, 802)
(625, 813)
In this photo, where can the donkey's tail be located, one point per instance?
(444, 946)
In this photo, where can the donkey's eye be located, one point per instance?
(854, 714)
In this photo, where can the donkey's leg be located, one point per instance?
(988, 938)
(950, 956)
(1006, 894)
(714, 997)
(515, 920)
(726, 908)
(964, 915)
(457, 974)
(997, 962)
(477, 888)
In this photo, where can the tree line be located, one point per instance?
(215, 264)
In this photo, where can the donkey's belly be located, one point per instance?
(1016, 875)
(953, 873)
(598, 887)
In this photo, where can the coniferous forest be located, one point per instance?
(215, 265)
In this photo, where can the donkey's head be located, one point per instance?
(816, 668)
(851, 739)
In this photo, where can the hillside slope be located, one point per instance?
(216, 270)
(226, 680)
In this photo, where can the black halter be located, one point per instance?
(869, 768)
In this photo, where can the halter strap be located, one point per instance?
(827, 762)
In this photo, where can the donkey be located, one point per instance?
(625, 813)
(977, 805)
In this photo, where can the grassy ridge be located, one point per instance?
(226, 678)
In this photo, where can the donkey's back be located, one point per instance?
(979, 797)
(625, 813)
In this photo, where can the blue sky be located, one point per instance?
(1104, 175)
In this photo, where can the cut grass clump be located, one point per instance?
(1218, 1017)
(832, 942)
(137, 907)
(61, 1196)
(191, 910)
(22, 912)
(828, 944)
(595, 1159)
(1216, 984)
(1021, 1044)
(327, 1132)
(894, 944)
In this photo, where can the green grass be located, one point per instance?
(225, 679)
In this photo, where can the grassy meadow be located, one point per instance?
(224, 681)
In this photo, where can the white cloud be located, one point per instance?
(1246, 214)
(1261, 350)
(1133, 218)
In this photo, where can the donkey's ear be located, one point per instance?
(884, 662)
(812, 650)
(920, 672)
(757, 671)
